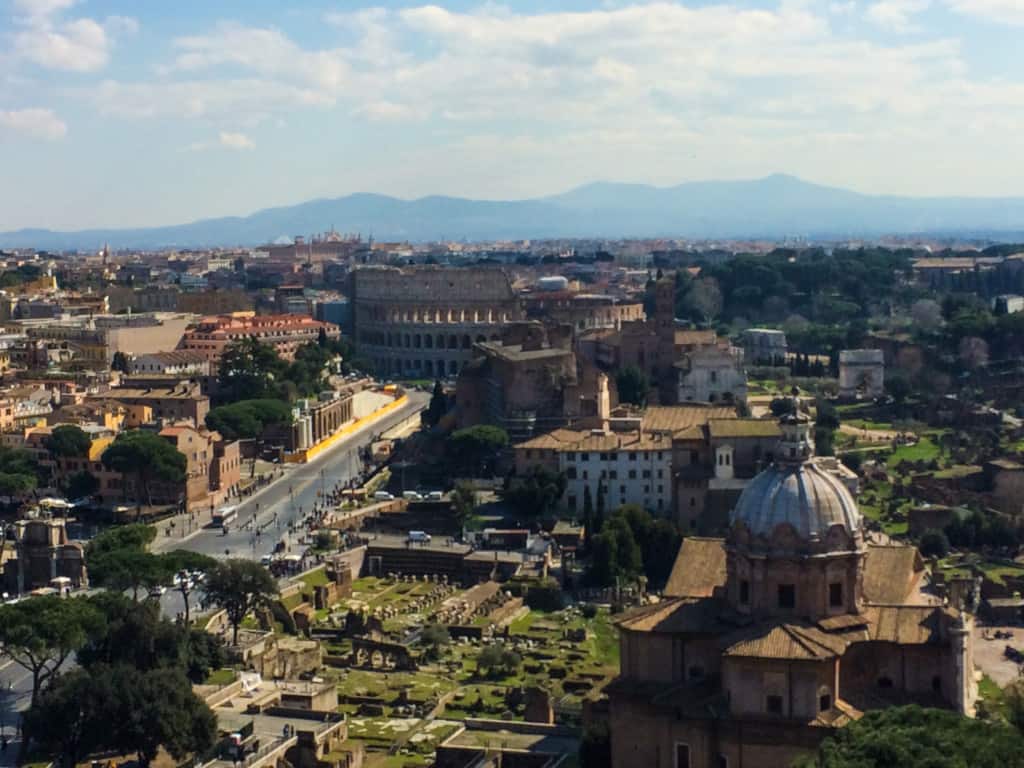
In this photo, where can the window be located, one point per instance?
(572, 503)
(694, 457)
(885, 682)
(646, 474)
(585, 474)
(835, 595)
(682, 756)
(613, 474)
(937, 684)
(787, 596)
(824, 703)
(584, 457)
(632, 456)
(659, 474)
(773, 705)
(613, 457)
(571, 473)
(744, 592)
(647, 489)
(723, 761)
(570, 456)
(632, 474)
(604, 457)
(714, 376)
(695, 673)
(622, 490)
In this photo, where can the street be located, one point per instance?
(289, 498)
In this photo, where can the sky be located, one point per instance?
(123, 113)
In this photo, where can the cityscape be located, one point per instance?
(551, 385)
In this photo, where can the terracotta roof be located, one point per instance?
(890, 573)
(695, 338)
(699, 568)
(584, 440)
(785, 641)
(672, 418)
(744, 428)
(696, 432)
(906, 624)
(675, 615)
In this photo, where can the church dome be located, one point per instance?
(801, 494)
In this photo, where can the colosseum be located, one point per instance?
(423, 321)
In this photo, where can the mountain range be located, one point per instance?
(772, 207)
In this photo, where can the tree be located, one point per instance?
(82, 485)
(148, 458)
(898, 388)
(39, 634)
(633, 385)
(158, 709)
(120, 362)
(705, 298)
(588, 517)
(184, 564)
(68, 441)
(973, 352)
(239, 586)
(247, 420)
(926, 314)
(780, 406)
(536, 494)
(474, 447)
(463, 501)
(118, 559)
(19, 472)
(71, 717)
(496, 659)
(616, 554)
(248, 370)
(434, 638)
(934, 544)
(438, 406)
(913, 737)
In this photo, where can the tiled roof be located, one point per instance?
(675, 615)
(906, 624)
(785, 641)
(890, 572)
(584, 440)
(699, 568)
(672, 418)
(744, 428)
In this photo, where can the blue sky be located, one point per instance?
(142, 112)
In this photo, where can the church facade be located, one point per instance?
(790, 627)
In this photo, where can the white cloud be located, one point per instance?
(235, 140)
(35, 123)
(896, 15)
(625, 85)
(43, 37)
(42, 8)
(225, 140)
(999, 11)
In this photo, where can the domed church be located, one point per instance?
(790, 627)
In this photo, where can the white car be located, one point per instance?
(158, 591)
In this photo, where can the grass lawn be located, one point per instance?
(315, 578)
(924, 450)
(224, 676)
(994, 696)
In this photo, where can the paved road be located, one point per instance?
(289, 498)
(285, 502)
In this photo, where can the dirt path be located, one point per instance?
(869, 435)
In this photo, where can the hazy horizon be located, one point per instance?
(119, 114)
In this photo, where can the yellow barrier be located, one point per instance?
(301, 457)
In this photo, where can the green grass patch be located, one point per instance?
(924, 450)
(315, 578)
(994, 696)
(224, 676)
(885, 426)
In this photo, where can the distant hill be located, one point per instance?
(775, 206)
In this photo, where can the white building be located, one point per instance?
(182, 362)
(764, 346)
(712, 375)
(630, 467)
(861, 373)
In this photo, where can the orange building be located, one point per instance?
(285, 333)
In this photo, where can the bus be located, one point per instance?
(225, 516)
